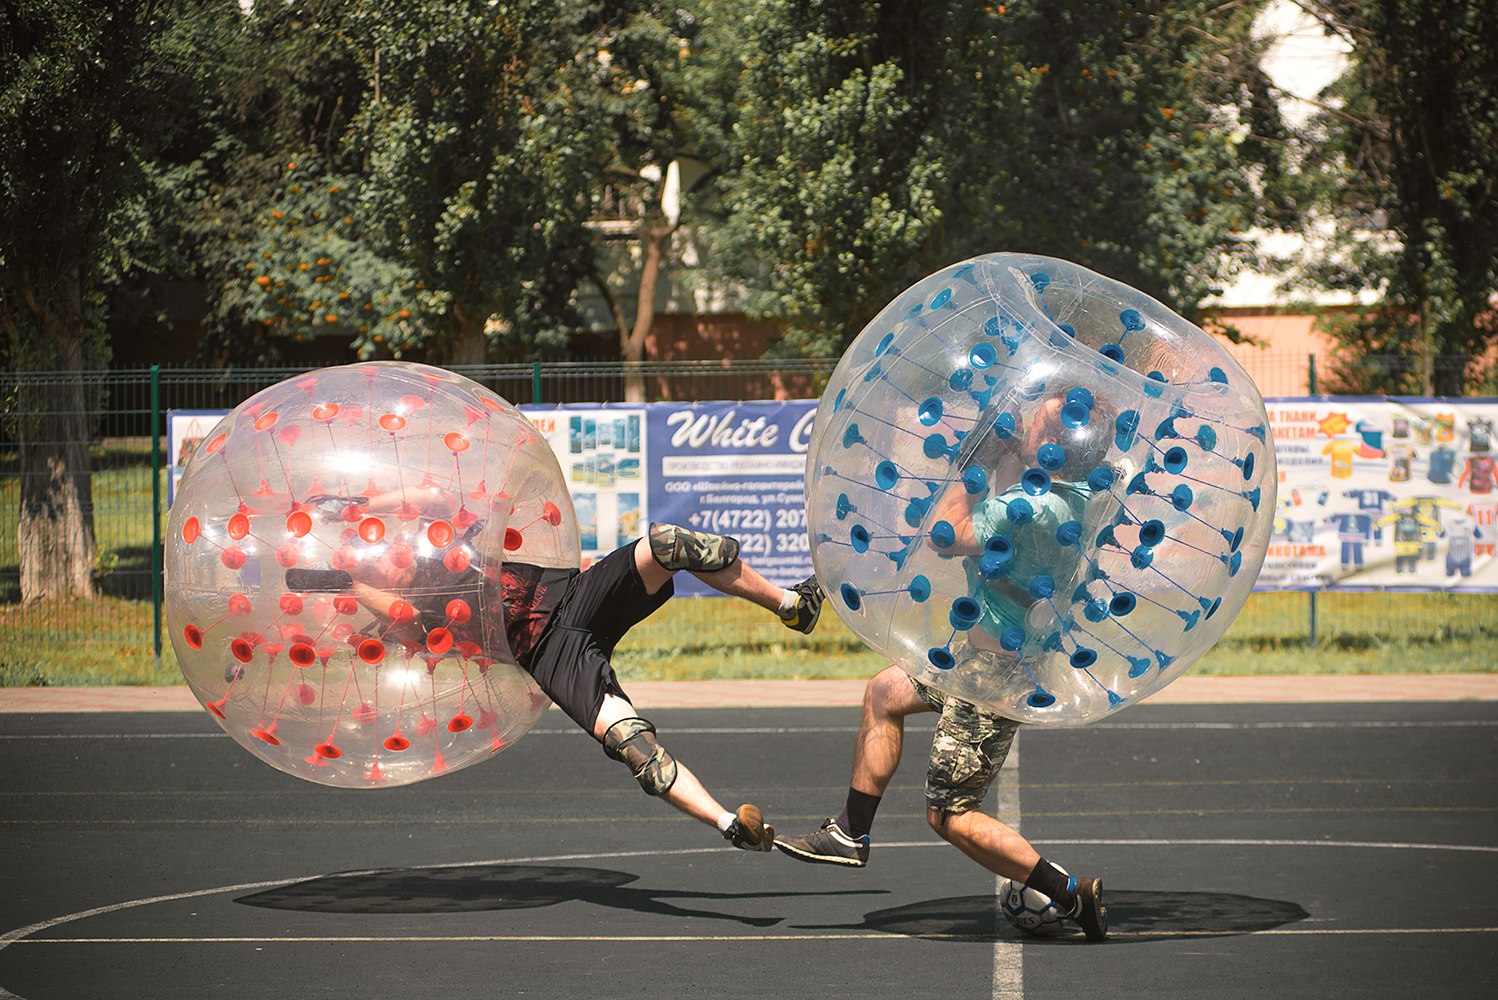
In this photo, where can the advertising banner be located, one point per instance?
(732, 468)
(1374, 493)
(603, 451)
(1384, 494)
(185, 430)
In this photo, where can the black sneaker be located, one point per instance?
(828, 846)
(808, 606)
(749, 831)
(1090, 913)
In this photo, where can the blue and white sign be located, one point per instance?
(732, 468)
(1375, 494)
(736, 469)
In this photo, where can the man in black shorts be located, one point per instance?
(563, 626)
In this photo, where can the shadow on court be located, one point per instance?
(466, 889)
(1135, 916)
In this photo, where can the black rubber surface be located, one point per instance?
(1246, 850)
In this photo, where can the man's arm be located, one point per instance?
(956, 508)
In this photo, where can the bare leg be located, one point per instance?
(993, 844)
(887, 699)
(687, 793)
(738, 580)
(743, 580)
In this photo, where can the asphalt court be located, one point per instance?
(1317, 850)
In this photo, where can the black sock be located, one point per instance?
(1052, 881)
(858, 815)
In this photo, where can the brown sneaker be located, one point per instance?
(1090, 913)
(749, 831)
(828, 845)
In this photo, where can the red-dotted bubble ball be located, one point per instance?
(338, 556)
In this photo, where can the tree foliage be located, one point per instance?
(415, 178)
(92, 98)
(1143, 141)
(837, 179)
(877, 142)
(1404, 161)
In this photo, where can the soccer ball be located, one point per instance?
(1031, 911)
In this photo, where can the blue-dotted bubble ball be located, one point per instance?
(339, 553)
(1037, 489)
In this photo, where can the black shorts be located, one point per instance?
(571, 658)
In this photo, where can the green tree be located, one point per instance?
(1145, 144)
(267, 190)
(412, 186)
(478, 164)
(877, 142)
(1403, 161)
(837, 173)
(647, 66)
(90, 94)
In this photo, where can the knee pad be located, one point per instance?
(632, 743)
(675, 548)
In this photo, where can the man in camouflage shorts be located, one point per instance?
(969, 748)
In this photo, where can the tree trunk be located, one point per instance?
(55, 538)
(655, 230)
(470, 342)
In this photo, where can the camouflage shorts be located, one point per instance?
(966, 754)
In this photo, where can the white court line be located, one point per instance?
(21, 934)
(1008, 955)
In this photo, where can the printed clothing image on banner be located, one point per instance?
(1478, 473)
(1410, 480)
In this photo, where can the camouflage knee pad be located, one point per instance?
(677, 548)
(632, 743)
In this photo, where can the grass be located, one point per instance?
(708, 638)
(108, 641)
(1358, 634)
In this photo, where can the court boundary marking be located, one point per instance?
(24, 935)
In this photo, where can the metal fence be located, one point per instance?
(119, 417)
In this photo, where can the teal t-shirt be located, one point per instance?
(1034, 550)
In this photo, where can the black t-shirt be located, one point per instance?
(530, 595)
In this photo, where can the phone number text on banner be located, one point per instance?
(736, 469)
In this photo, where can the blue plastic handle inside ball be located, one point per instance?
(965, 613)
(1036, 482)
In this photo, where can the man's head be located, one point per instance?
(1067, 433)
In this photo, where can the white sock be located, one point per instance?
(788, 603)
(725, 821)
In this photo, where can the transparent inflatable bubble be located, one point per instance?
(1038, 489)
(335, 560)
